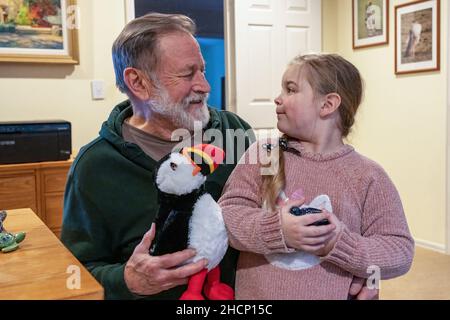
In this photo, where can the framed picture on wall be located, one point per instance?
(417, 37)
(39, 31)
(370, 23)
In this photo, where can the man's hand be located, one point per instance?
(359, 290)
(147, 275)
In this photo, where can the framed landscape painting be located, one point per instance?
(370, 23)
(39, 31)
(417, 37)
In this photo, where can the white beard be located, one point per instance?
(178, 113)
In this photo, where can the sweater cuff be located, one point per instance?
(271, 233)
(344, 249)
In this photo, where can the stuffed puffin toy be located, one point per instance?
(189, 217)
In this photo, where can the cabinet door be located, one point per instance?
(18, 190)
(53, 207)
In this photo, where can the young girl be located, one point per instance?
(284, 256)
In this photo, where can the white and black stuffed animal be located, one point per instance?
(189, 217)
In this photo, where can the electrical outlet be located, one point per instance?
(98, 89)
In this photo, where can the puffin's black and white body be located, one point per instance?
(189, 217)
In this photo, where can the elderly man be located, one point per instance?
(110, 200)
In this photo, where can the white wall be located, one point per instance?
(38, 92)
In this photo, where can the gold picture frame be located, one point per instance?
(39, 31)
(418, 37)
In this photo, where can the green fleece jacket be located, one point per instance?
(110, 201)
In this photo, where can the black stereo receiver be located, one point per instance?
(35, 141)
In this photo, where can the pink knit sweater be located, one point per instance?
(375, 231)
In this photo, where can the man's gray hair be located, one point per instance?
(137, 44)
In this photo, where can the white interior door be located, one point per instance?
(267, 35)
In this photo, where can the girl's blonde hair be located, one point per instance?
(326, 73)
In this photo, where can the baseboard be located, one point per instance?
(430, 245)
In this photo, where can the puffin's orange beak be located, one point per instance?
(196, 170)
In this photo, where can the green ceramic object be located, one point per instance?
(8, 241)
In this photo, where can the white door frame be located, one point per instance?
(129, 10)
(230, 80)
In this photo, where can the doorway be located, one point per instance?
(209, 18)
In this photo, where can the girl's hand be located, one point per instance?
(332, 241)
(298, 233)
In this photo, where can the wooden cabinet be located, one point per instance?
(39, 186)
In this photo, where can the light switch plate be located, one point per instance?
(98, 89)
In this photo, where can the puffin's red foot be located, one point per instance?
(219, 291)
(216, 290)
(195, 286)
